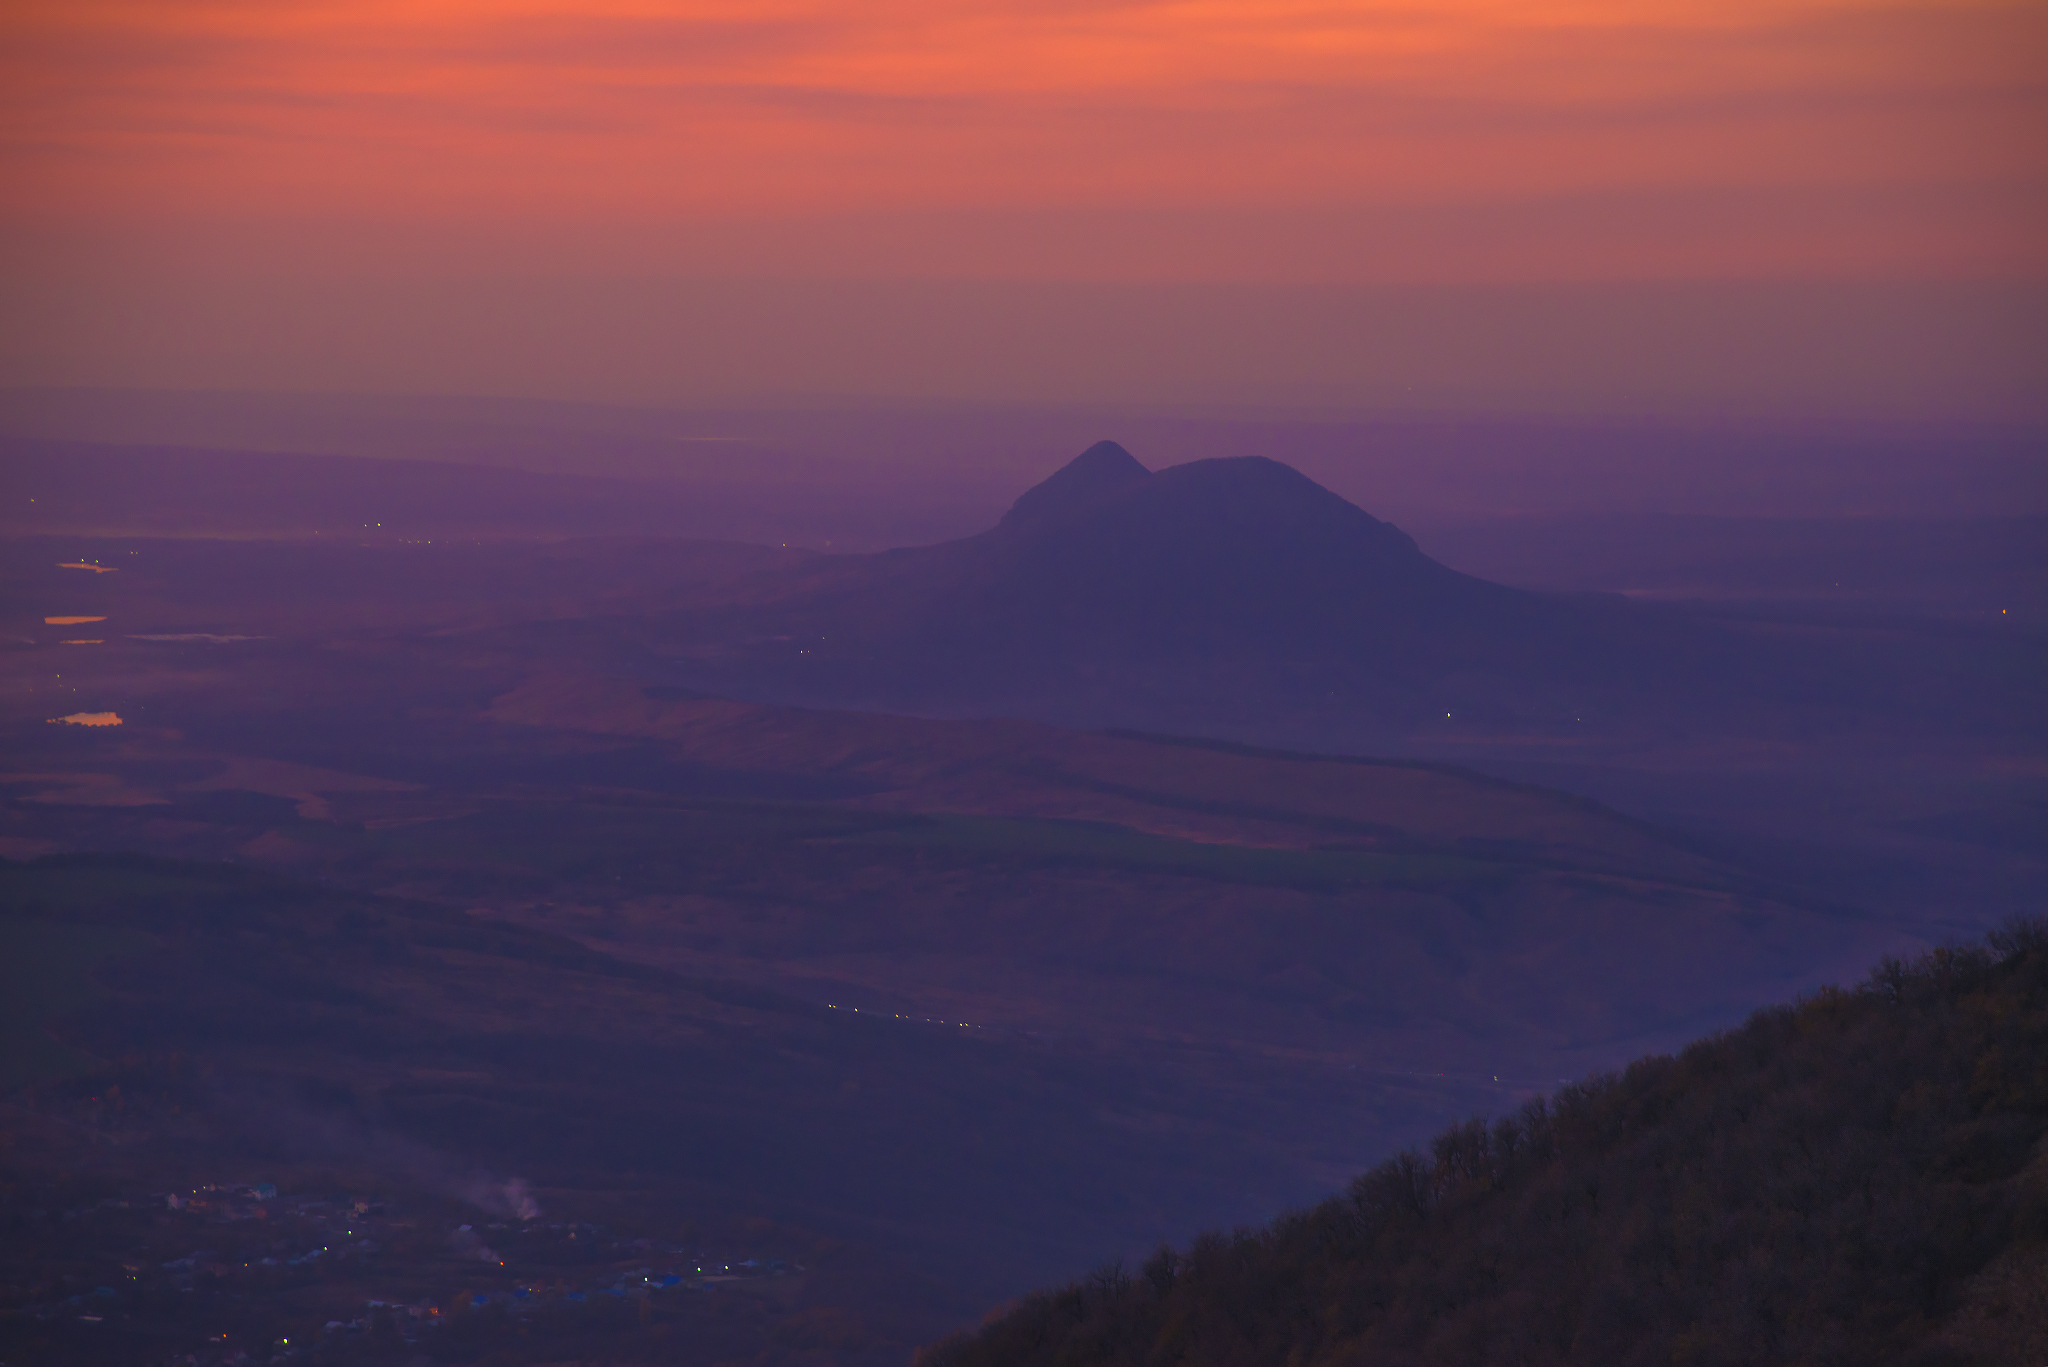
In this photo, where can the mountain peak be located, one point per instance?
(1104, 468)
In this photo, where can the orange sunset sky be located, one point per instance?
(1421, 202)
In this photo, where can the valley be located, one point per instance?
(939, 921)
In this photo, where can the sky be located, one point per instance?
(1824, 206)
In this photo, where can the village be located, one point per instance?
(228, 1274)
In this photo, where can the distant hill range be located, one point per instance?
(1858, 1177)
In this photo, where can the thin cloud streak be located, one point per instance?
(376, 150)
(213, 108)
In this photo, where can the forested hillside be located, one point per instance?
(1858, 1177)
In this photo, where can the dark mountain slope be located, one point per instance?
(1189, 599)
(1213, 555)
(1859, 1177)
(1237, 597)
(1102, 470)
(1238, 554)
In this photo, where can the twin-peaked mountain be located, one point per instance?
(1216, 554)
(1239, 598)
(1191, 597)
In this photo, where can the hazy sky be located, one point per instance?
(1753, 205)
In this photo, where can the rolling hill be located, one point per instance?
(1164, 888)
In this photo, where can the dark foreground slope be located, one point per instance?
(1860, 1177)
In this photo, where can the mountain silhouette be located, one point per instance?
(1243, 552)
(1188, 597)
(1215, 554)
(1102, 470)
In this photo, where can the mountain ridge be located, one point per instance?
(1175, 599)
(1103, 469)
(1858, 1176)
